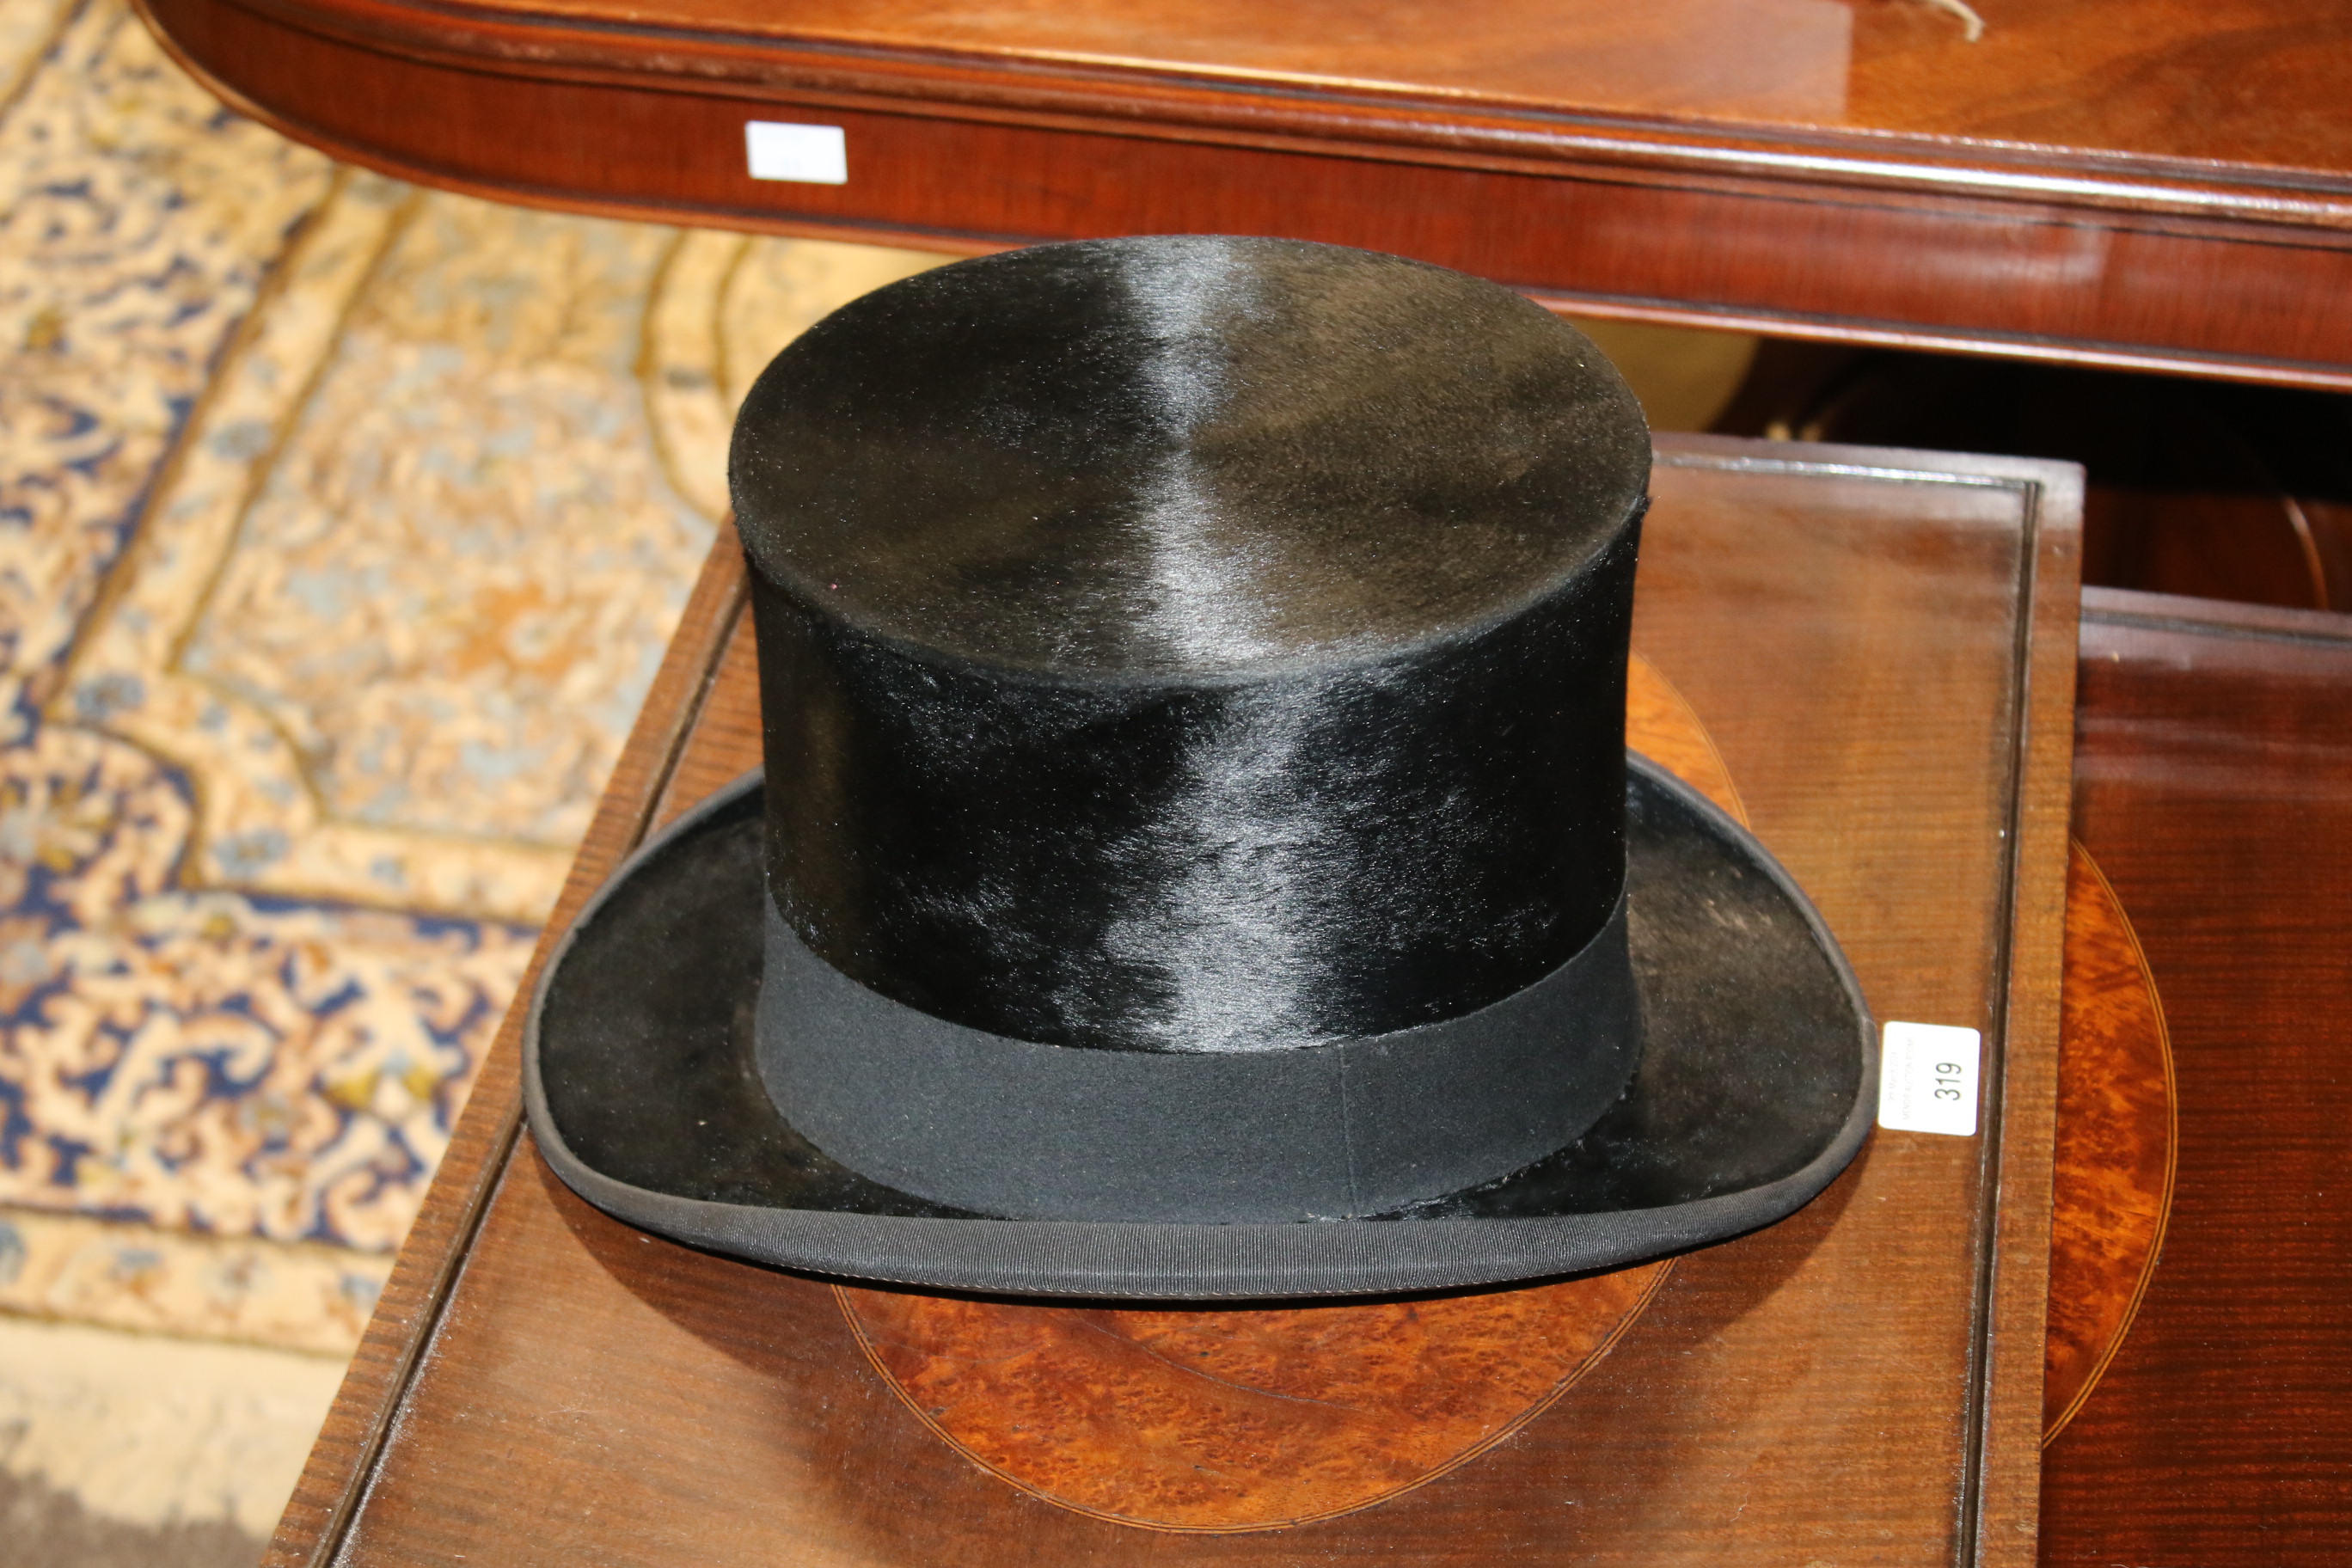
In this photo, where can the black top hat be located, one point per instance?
(1198, 854)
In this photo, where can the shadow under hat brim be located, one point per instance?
(1755, 1088)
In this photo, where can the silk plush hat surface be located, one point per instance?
(1196, 854)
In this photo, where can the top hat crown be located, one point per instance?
(1195, 811)
(1196, 645)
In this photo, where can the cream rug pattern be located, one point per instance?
(341, 528)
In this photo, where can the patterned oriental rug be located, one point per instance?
(342, 526)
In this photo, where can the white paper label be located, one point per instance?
(1927, 1079)
(813, 154)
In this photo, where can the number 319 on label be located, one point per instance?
(1927, 1079)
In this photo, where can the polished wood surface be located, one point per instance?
(2213, 785)
(2111, 1187)
(2125, 181)
(1870, 639)
(1223, 1421)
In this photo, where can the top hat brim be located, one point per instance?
(1755, 1088)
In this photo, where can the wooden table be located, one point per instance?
(1878, 649)
(2213, 783)
(2153, 183)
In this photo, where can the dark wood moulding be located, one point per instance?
(2151, 184)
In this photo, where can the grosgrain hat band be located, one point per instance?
(1023, 1131)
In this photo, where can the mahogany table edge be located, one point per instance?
(2266, 214)
(2020, 1119)
(2001, 1495)
(1192, 101)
